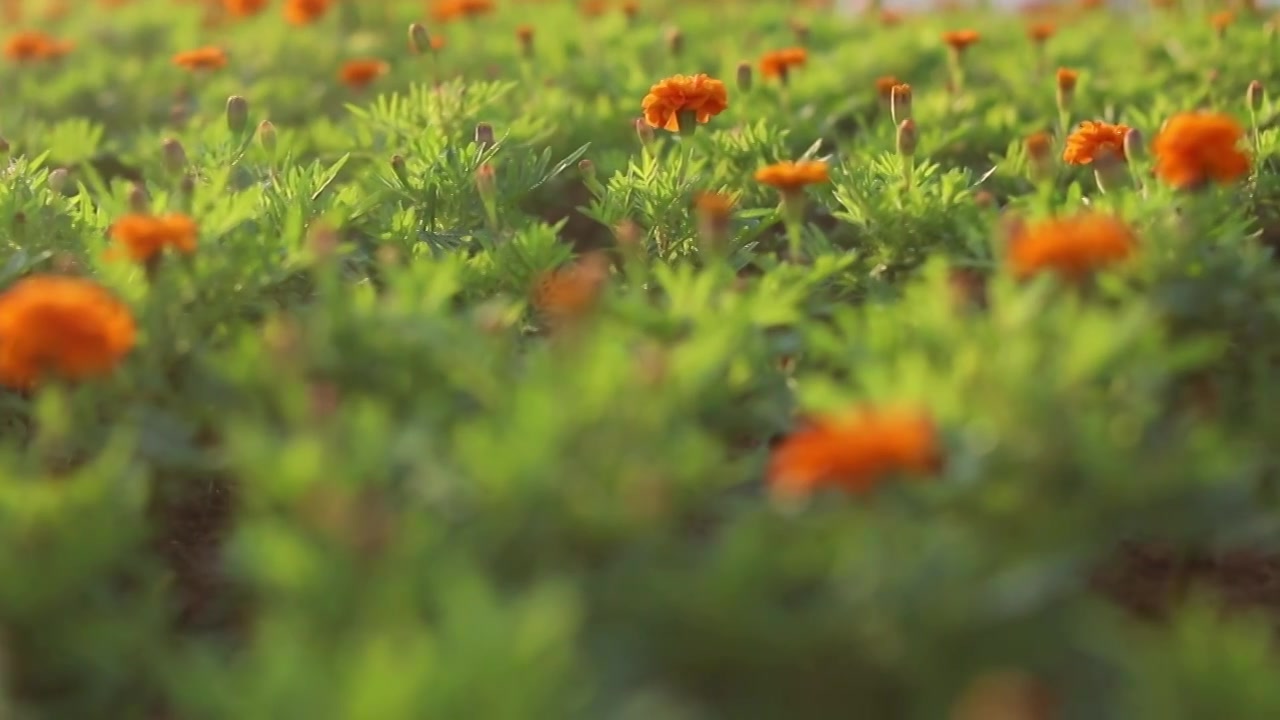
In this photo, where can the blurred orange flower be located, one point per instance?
(572, 292)
(593, 8)
(206, 58)
(856, 451)
(244, 8)
(779, 62)
(885, 86)
(446, 10)
(1072, 247)
(1222, 20)
(359, 74)
(305, 12)
(1195, 148)
(959, 40)
(1040, 32)
(682, 99)
(792, 176)
(143, 237)
(1091, 138)
(33, 46)
(54, 326)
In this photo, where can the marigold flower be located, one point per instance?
(1091, 138)
(143, 237)
(960, 40)
(359, 74)
(1222, 20)
(35, 46)
(792, 176)
(1195, 148)
(779, 63)
(55, 326)
(1067, 80)
(856, 451)
(446, 10)
(205, 58)
(1072, 247)
(889, 18)
(885, 86)
(714, 205)
(244, 8)
(684, 99)
(593, 8)
(1041, 32)
(305, 12)
(570, 293)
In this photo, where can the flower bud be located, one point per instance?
(237, 114)
(631, 10)
(1039, 156)
(267, 136)
(1253, 96)
(58, 179)
(419, 39)
(900, 102)
(484, 135)
(400, 170)
(187, 185)
(1133, 145)
(1067, 80)
(675, 42)
(138, 200)
(587, 168)
(174, 156)
(713, 211)
(524, 34)
(4, 146)
(745, 77)
(486, 182)
(907, 138)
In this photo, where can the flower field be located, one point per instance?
(638, 360)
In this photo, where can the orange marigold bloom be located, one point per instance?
(206, 58)
(32, 46)
(446, 10)
(1195, 148)
(780, 62)
(360, 73)
(1071, 247)
(697, 98)
(885, 86)
(593, 8)
(54, 326)
(889, 18)
(244, 8)
(570, 293)
(305, 12)
(1222, 20)
(1091, 138)
(714, 205)
(792, 176)
(143, 237)
(959, 40)
(1041, 32)
(856, 451)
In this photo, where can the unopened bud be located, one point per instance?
(630, 239)
(187, 185)
(138, 200)
(178, 114)
(524, 34)
(267, 136)
(1253, 96)
(400, 169)
(1040, 156)
(4, 146)
(1133, 145)
(58, 179)
(486, 181)
(484, 135)
(322, 241)
(900, 102)
(645, 132)
(907, 138)
(587, 168)
(419, 39)
(745, 77)
(1067, 80)
(675, 42)
(174, 156)
(237, 114)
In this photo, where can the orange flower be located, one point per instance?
(1072, 247)
(206, 58)
(779, 62)
(572, 292)
(1222, 20)
(143, 237)
(960, 40)
(361, 73)
(1195, 148)
(33, 46)
(1092, 138)
(684, 99)
(1067, 80)
(60, 326)
(305, 12)
(855, 451)
(713, 205)
(889, 18)
(1038, 144)
(244, 8)
(885, 86)
(593, 8)
(446, 10)
(790, 177)
(1041, 32)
